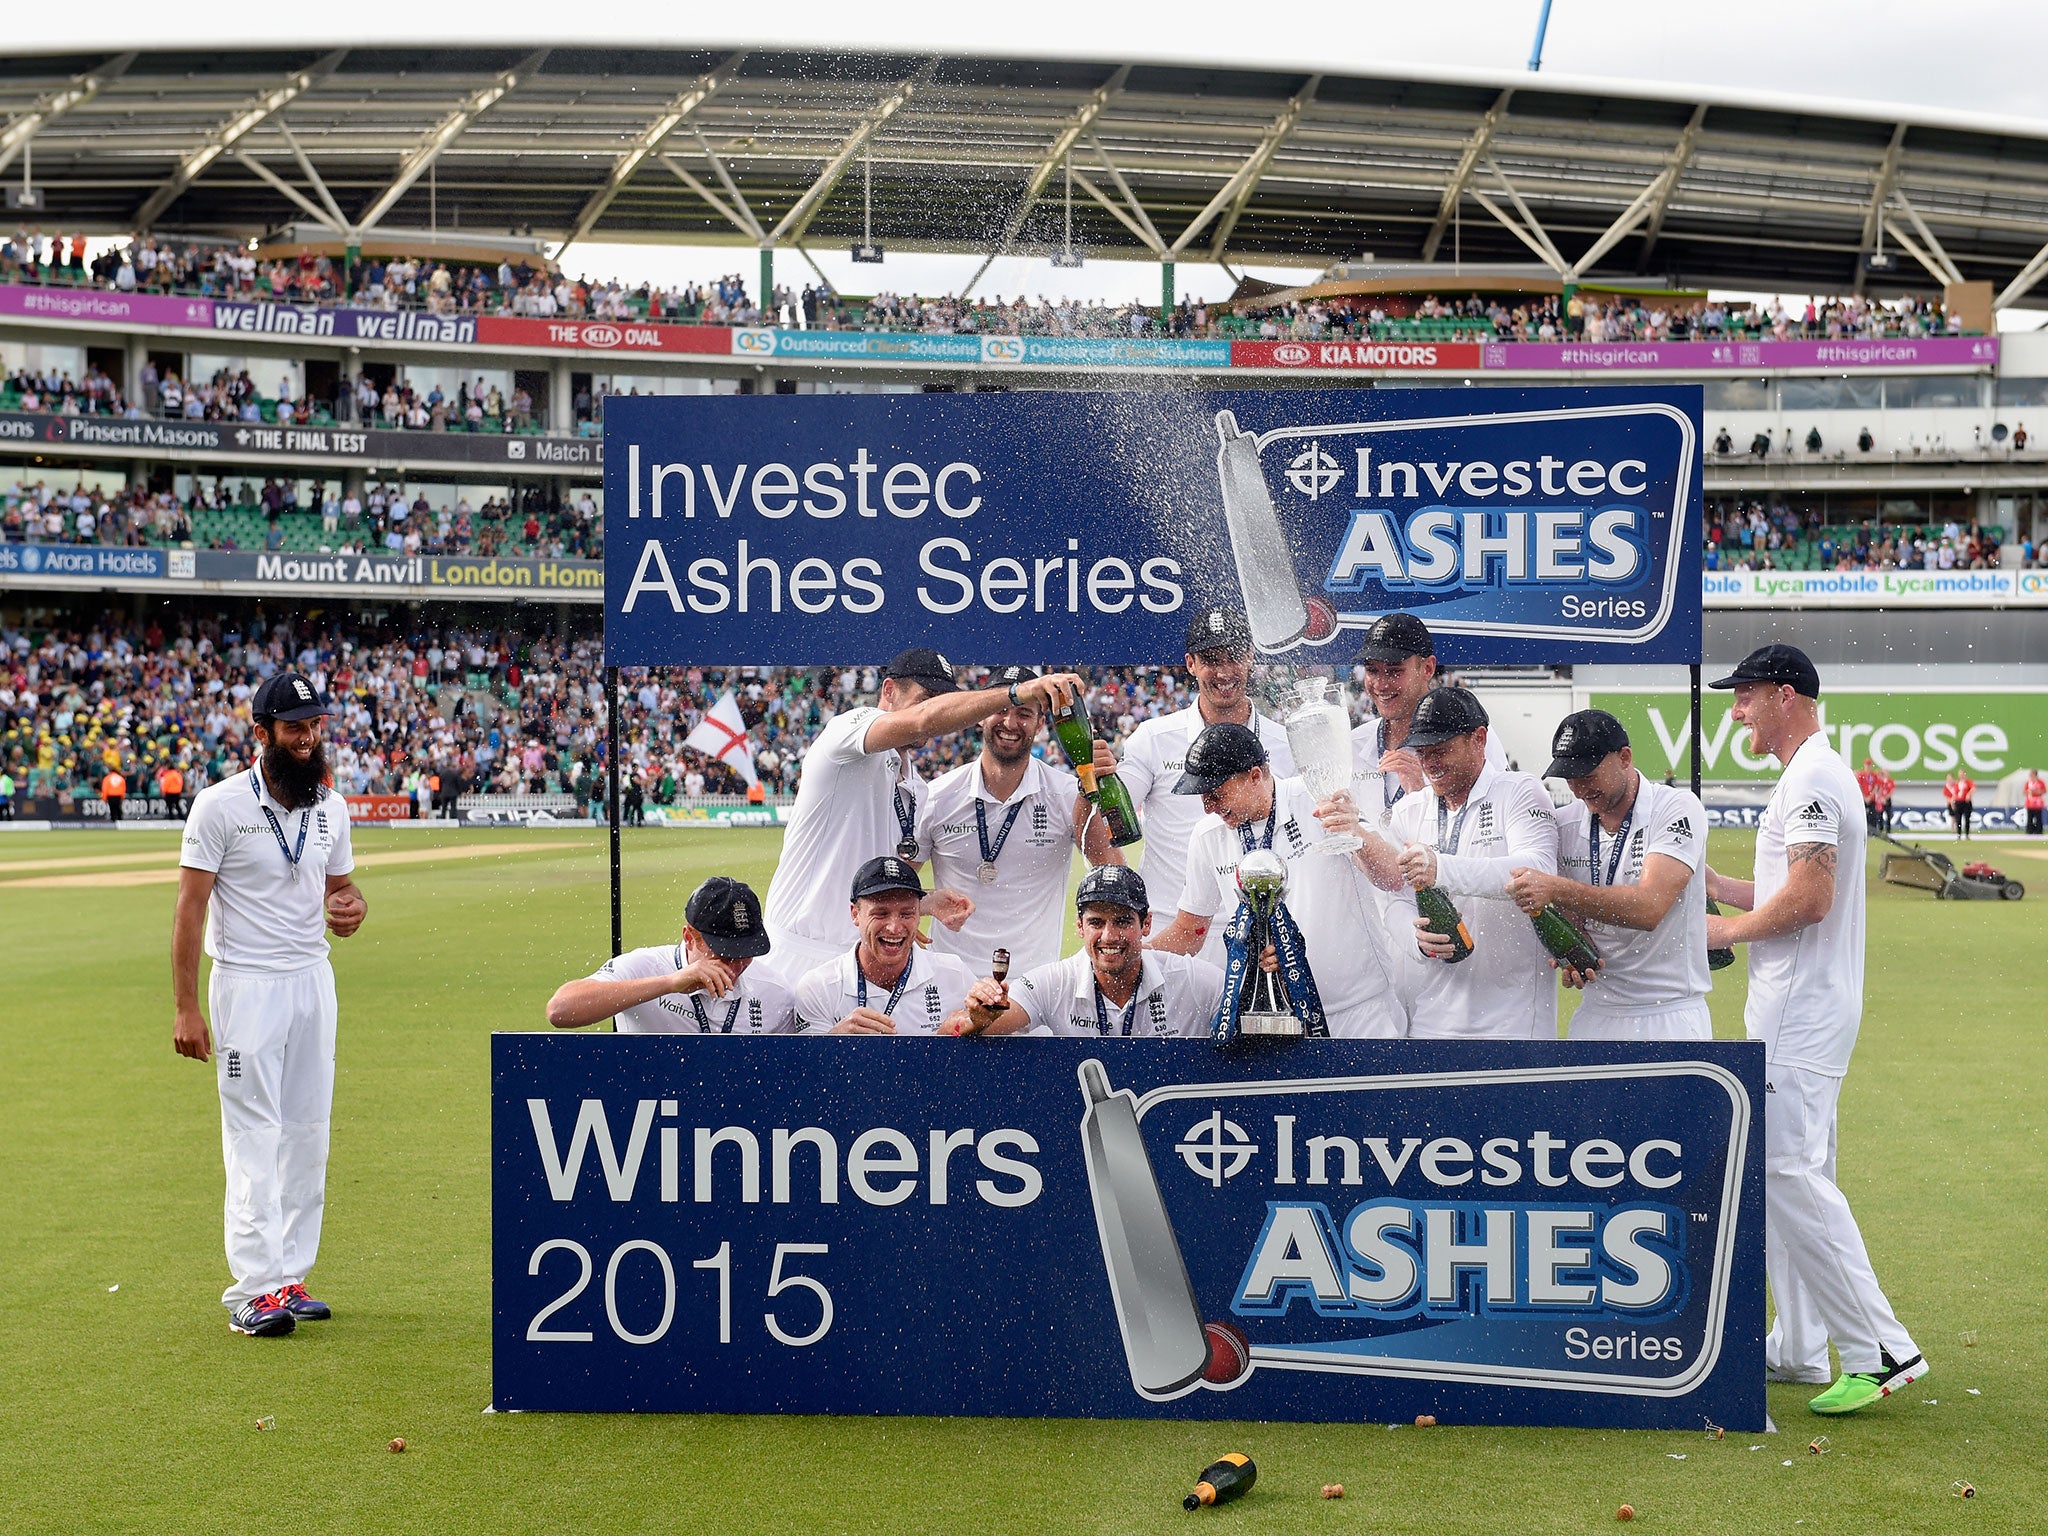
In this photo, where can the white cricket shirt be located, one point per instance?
(1025, 910)
(261, 918)
(1806, 990)
(937, 985)
(1176, 996)
(1645, 971)
(759, 1003)
(845, 814)
(1369, 745)
(1505, 989)
(1329, 897)
(1152, 760)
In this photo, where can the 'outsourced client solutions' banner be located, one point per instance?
(1511, 1233)
(1538, 525)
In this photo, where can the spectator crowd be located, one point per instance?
(1753, 536)
(518, 286)
(536, 520)
(434, 713)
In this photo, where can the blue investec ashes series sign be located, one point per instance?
(1500, 1233)
(1539, 525)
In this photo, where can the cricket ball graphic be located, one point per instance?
(1230, 1353)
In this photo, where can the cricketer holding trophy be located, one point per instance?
(1327, 899)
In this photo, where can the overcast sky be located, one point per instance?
(1965, 56)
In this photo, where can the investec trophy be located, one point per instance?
(1319, 736)
(1262, 881)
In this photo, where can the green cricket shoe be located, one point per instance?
(1859, 1389)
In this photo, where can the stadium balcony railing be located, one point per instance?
(247, 528)
(1804, 553)
(1228, 327)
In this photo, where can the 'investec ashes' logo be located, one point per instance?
(1573, 515)
(1216, 1148)
(1580, 1261)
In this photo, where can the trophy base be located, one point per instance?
(1270, 1025)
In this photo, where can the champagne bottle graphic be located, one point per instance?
(1274, 607)
(1165, 1343)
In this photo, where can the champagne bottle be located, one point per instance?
(1105, 792)
(1567, 945)
(1443, 919)
(1718, 959)
(1222, 1481)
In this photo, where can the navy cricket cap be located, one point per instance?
(1221, 752)
(877, 877)
(1776, 664)
(1584, 740)
(1219, 629)
(728, 914)
(1005, 676)
(1396, 637)
(1443, 715)
(287, 696)
(928, 667)
(1113, 885)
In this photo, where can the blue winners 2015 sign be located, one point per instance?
(1512, 1233)
(1533, 525)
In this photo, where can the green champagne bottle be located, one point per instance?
(1105, 792)
(1443, 918)
(1718, 959)
(1222, 1481)
(1567, 945)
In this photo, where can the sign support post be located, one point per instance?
(611, 798)
(1696, 758)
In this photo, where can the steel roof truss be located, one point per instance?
(650, 140)
(313, 211)
(1150, 241)
(740, 217)
(2023, 284)
(336, 218)
(1062, 146)
(446, 132)
(1144, 228)
(1945, 269)
(253, 114)
(1239, 189)
(792, 224)
(15, 137)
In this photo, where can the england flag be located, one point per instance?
(722, 734)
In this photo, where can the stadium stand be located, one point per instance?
(500, 711)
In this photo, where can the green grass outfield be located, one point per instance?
(132, 1410)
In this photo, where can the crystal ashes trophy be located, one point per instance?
(1319, 737)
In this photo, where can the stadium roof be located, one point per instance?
(1262, 165)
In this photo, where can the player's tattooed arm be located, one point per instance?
(1822, 854)
(1806, 897)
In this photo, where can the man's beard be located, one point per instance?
(295, 781)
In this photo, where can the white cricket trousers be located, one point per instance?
(792, 956)
(1681, 1021)
(1820, 1272)
(273, 1055)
